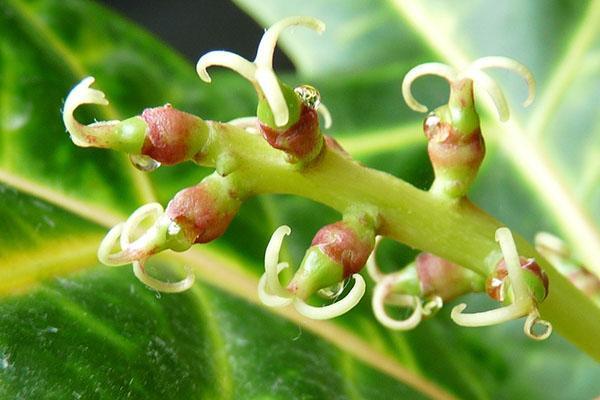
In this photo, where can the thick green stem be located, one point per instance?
(456, 230)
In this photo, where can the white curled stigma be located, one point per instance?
(336, 309)
(474, 72)
(372, 267)
(260, 72)
(138, 251)
(81, 94)
(523, 302)
(324, 111)
(273, 294)
(383, 295)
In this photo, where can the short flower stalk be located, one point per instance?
(282, 150)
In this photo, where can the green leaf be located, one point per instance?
(72, 328)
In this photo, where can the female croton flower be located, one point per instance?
(422, 286)
(337, 252)
(160, 135)
(198, 214)
(287, 117)
(518, 282)
(456, 147)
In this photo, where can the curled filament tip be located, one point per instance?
(266, 47)
(324, 111)
(82, 135)
(336, 309)
(510, 65)
(475, 73)
(142, 248)
(437, 69)
(260, 72)
(533, 320)
(272, 261)
(266, 296)
(372, 267)
(383, 295)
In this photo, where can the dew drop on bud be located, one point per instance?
(143, 162)
(331, 292)
(309, 96)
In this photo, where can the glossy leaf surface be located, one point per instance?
(72, 328)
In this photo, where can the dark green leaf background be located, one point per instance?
(70, 328)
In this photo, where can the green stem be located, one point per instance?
(456, 230)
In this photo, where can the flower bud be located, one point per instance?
(456, 147)
(440, 277)
(337, 251)
(301, 141)
(497, 286)
(173, 136)
(204, 211)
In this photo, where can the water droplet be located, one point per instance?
(143, 162)
(5, 361)
(309, 95)
(332, 292)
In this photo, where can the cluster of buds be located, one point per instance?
(287, 118)
(426, 284)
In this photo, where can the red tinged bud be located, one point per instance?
(173, 136)
(535, 277)
(204, 211)
(443, 278)
(302, 141)
(448, 148)
(344, 246)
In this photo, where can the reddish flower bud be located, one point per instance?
(443, 278)
(173, 136)
(535, 277)
(455, 156)
(302, 141)
(337, 251)
(204, 211)
(345, 246)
